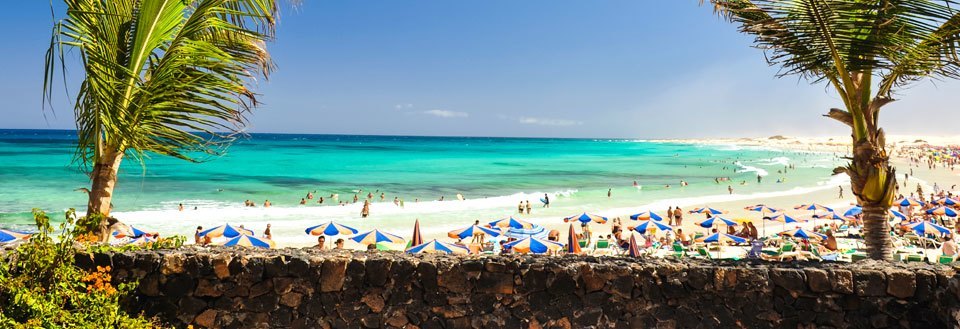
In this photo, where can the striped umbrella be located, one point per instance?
(244, 240)
(761, 208)
(925, 227)
(511, 223)
(945, 201)
(831, 215)
(814, 207)
(943, 211)
(721, 239)
(437, 247)
(573, 244)
(633, 249)
(646, 215)
(907, 202)
(856, 210)
(417, 238)
(225, 230)
(717, 220)
(784, 218)
(533, 245)
(800, 233)
(708, 210)
(141, 240)
(586, 218)
(376, 236)
(8, 235)
(330, 229)
(473, 230)
(136, 233)
(650, 225)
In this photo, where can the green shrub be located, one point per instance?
(41, 287)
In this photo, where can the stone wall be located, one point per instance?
(241, 288)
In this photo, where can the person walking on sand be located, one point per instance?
(528, 207)
(267, 234)
(670, 215)
(729, 189)
(546, 201)
(841, 192)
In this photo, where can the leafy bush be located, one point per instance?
(40, 287)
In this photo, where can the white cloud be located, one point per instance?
(446, 114)
(403, 106)
(548, 122)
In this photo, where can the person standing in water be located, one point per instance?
(520, 208)
(609, 192)
(366, 209)
(528, 207)
(546, 201)
(730, 189)
(759, 178)
(266, 203)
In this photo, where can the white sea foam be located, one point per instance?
(778, 161)
(745, 168)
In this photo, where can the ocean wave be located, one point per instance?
(778, 161)
(745, 168)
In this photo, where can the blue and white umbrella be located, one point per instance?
(946, 201)
(907, 202)
(533, 245)
(437, 247)
(331, 229)
(474, 230)
(707, 210)
(856, 210)
(244, 240)
(649, 225)
(715, 220)
(586, 218)
(925, 227)
(646, 215)
(943, 211)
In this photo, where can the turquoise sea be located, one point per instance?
(492, 174)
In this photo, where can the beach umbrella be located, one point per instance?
(586, 218)
(800, 233)
(856, 210)
(907, 202)
(141, 240)
(8, 235)
(925, 227)
(784, 218)
(720, 239)
(814, 207)
(536, 231)
(225, 230)
(945, 201)
(761, 208)
(437, 247)
(573, 244)
(707, 210)
(649, 225)
(717, 220)
(244, 240)
(633, 249)
(511, 223)
(417, 238)
(376, 236)
(943, 211)
(135, 231)
(646, 215)
(831, 215)
(473, 230)
(330, 229)
(533, 245)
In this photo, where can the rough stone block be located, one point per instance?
(901, 284)
(333, 274)
(870, 283)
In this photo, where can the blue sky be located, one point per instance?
(562, 68)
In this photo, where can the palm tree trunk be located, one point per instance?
(876, 232)
(104, 177)
(873, 181)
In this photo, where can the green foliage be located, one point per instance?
(173, 242)
(40, 287)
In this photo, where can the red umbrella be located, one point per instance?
(573, 245)
(417, 238)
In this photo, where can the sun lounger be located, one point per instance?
(946, 260)
(602, 247)
(915, 258)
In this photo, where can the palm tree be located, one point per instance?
(864, 49)
(165, 77)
